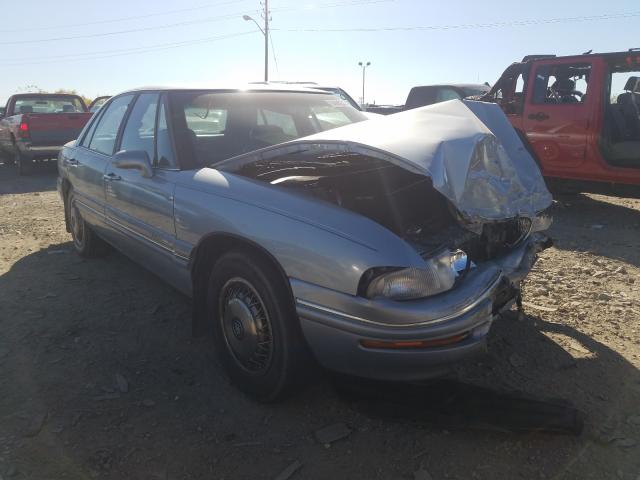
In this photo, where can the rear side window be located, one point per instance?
(106, 132)
(564, 83)
(139, 132)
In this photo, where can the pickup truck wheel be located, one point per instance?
(257, 334)
(85, 241)
(24, 164)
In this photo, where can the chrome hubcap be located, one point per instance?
(246, 325)
(77, 226)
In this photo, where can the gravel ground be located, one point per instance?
(99, 377)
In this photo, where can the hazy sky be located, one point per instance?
(207, 42)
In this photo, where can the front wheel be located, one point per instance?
(257, 334)
(85, 241)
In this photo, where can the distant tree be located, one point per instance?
(87, 100)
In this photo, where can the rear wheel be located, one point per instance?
(256, 330)
(24, 164)
(85, 241)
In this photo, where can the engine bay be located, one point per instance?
(404, 202)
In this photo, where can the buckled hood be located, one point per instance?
(469, 149)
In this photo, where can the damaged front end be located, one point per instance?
(455, 184)
(452, 180)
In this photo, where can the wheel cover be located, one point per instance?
(246, 326)
(77, 226)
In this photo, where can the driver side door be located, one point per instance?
(139, 207)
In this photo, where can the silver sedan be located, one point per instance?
(304, 232)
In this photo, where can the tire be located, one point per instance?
(257, 334)
(85, 242)
(24, 164)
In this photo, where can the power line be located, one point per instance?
(513, 23)
(132, 51)
(124, 19)
(120, 32)
(183, 23)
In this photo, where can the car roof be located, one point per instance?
(455, 85)
(533, 58)
(232, 88)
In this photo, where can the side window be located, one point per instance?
(164, 147)
(106, 132)
(445, 94)
(564, 83)
(139, 131)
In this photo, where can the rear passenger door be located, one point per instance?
(139, 208)
(90, 158)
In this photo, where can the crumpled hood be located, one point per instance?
(469, 149)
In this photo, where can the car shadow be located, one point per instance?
(593, 223)
(42, 178)
(70, 325)
(537, 376)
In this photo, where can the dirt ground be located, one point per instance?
(100, 378)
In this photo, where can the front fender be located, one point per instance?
(312, 240)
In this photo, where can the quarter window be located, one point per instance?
(106, 132)
(139, 131)
(164, 147)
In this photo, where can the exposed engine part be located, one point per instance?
(404, 202)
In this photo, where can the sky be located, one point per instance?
(102, 48)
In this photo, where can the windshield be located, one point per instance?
(342, 94)
(214, 126)
(473, 91)
(53, 104)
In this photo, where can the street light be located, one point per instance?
(364, 67)
(265, 32)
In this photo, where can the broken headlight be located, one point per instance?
(437, 276)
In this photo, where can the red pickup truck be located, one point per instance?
(579, 116)
(35, 126)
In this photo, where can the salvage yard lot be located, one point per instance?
(100, 378)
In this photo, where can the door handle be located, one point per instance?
(111, 177)
(71, 162)
(540, 116)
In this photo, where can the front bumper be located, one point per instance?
(335, 324)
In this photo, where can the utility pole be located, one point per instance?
(265, 32)
(364, 67)
(266, 40)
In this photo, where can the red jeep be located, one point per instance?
(579, 116)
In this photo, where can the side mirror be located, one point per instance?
(134, 160)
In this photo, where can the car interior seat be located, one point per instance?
(26, 109)
(630, 106)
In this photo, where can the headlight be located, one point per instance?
(437, 276)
